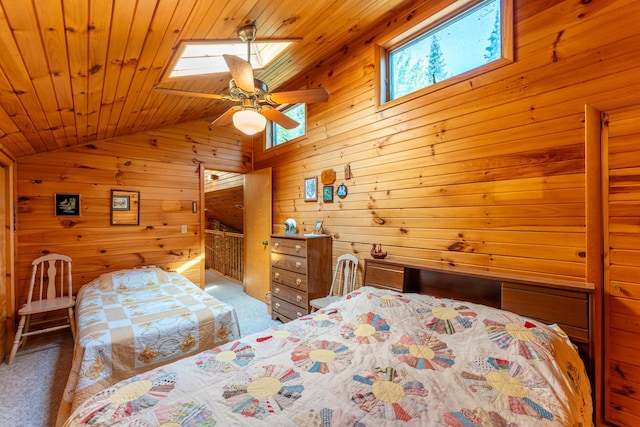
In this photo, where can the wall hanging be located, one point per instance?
(342, 191)
(125, 207)
(311, 189)
(327, 193)
(67, 204)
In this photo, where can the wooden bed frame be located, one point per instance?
(567, 303)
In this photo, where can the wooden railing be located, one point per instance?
(224, 252)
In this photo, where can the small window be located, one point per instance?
(279, 135)
(471, 39)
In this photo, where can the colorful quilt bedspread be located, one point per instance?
(130, 321)
(375, 358)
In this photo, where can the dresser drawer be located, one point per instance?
(569, 309)
(288, 294)
(289, 247)
(288, 278)
(289, 262)
(288, 310)
(384, 275)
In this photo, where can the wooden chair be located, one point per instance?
(344, 281)
(53, 291)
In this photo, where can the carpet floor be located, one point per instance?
(31, 389)
(253, 315)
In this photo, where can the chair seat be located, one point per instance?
(47, 305)
(323, 302)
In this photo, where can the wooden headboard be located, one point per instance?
(569, 304)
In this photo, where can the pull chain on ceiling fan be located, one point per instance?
(256, 102)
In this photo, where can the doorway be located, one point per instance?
(238, 224)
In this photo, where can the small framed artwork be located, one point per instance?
(327, 193)
(125, 207)
(67, 204)
(121, 203)
(311, 189)
(318, 228)
(341, 191)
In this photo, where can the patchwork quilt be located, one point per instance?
(130, 321)
(374, 358)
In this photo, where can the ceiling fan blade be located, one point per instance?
(241, 72)
(278, 117)
(170, 91)
(319, 94)
(226, 117)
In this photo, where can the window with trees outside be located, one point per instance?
(475, 38)
(279, 135)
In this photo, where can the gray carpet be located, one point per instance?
(252, 313)
(31, 389)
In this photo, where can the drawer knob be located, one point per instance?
(617, 288)
(277, 290)
(276, 275)
(298, 298)
(298, 265)
(298, 247)
(275, 261)
(276, 245)
(298, 314)
(298, 281)
(277, 305)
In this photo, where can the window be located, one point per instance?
(279, 135)
(434, 54)
(204, 57)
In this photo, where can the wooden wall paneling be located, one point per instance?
(164, 165)
(622, 265)
(530, 97)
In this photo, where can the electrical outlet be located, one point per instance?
(183, 228)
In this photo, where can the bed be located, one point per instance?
(377, 357)
(130, 321)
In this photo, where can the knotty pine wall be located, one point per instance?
(488, 173)
(164, 165)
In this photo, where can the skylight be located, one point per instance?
(205, 57)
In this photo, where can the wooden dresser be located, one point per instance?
(568, 304)
(300, 271)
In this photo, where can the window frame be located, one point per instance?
(269, 134)
(437, 14)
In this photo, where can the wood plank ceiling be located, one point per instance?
(77, 71)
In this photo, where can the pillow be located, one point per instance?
(135, 278)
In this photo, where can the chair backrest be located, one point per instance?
(50, 277)
(344, 277)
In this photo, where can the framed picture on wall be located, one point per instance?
(125, 207)
(311, 189)
(67, 204)
(327, 193)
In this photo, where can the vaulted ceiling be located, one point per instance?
(77, 71)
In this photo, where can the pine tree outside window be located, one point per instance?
(477, 37)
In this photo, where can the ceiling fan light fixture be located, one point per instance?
(249, 121)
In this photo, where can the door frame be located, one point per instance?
(7, 244)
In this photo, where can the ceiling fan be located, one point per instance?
(253, 96)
